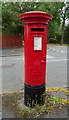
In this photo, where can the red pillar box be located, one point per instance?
(35, 47)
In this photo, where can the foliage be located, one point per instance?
(66, 34)
(11, 23)
(55, 100)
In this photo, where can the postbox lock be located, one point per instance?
(42, 61)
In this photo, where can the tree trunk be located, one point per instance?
(62, 33)
(63, 24)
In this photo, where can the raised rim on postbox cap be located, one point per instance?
(32, 14)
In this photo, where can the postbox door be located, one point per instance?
(35, 53)
(38, 59)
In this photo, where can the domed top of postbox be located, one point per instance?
(35, 16)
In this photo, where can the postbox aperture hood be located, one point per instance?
(35, 14)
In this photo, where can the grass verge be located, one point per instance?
(58, 44)
(12, 101)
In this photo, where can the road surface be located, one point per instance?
(12, 68)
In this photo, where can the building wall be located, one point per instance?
(10, 40)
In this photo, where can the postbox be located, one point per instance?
(35, 47)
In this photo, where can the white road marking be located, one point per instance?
(62, 51)
(48, 59)
(59, 60)
(49, 56)
(0, 113)
(20, 58)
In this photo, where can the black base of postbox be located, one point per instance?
(34, 95)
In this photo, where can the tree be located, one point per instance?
(53, 8)
(11, 22)
(10, 18)
(64, 16)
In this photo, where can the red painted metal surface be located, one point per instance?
(10, 40)
(35, 26)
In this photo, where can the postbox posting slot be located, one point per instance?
(37, 29)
